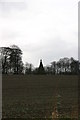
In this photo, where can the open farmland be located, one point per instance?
(39, 96)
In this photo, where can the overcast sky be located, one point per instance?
(43, 29)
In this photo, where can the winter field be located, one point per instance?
(39, 96)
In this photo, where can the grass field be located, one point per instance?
(39, 96)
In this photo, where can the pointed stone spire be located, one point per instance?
(41, 64)
(41, 68)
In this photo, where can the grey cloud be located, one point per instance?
(9, 35)
(7, 6)
(54, 50)
(45, 29)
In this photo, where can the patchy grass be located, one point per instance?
(38, 96)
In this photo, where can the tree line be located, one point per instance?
(11, 61)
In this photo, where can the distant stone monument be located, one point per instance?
(41, 68)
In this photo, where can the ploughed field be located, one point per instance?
(39, 96)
